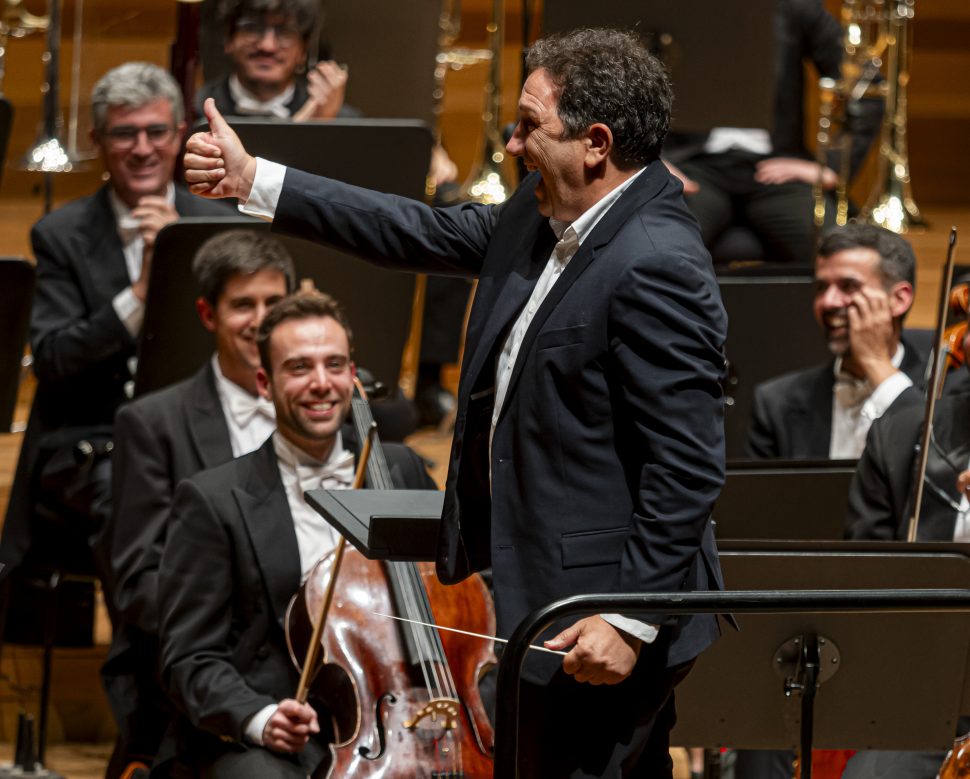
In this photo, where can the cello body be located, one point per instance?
(395, 717)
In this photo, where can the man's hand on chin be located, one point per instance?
(600, 654)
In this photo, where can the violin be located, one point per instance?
(954, 335)
(404, 697)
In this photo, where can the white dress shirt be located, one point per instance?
(251, 419)
(247, 104)
(856, 405)
(961, 530)
(722, 139)
(131, 310)
(315, 537)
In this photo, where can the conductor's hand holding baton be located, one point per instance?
(216, 164)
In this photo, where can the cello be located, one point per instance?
(404, 697)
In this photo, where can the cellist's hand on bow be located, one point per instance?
(600, 654)
(963, 483)
(290, 727)
(216, 163)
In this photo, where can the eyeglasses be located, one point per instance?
(253, 30)
(125, 137)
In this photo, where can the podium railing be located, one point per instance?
(737, 602)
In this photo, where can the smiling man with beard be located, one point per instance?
(266, 42)
(864, 286)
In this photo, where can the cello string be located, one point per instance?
(537, 647)
(381, 480)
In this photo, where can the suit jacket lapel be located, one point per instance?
(105, 257)
(498, 301)
(206, 420)
(813, 424)
(266, 514)
(639, 192)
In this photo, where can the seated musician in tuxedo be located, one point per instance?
(763, 180)
(167, 436)
(241, 540)
(267, 42)
(864, 287)
(880, 505)
(93, 261)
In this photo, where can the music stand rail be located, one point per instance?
(737, 602)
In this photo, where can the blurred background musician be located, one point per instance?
(93, 260)
(864, 277)
(242, 540)
(267, 41)
(764, 180)
(167, 436)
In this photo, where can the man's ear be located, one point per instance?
(263, 386)
(599, 145)
(900, 298)
(207, 314)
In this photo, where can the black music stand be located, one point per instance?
(761, 311)
(784, 500)
(884, 680)
(720, 55)
(388, 155)
(17, 278)
(384, 524)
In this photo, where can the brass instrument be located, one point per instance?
(875, 40)
(891, 203)
(490, 181)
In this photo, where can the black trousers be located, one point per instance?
(573, 730)
(781, 215)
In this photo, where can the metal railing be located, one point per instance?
(737, 602)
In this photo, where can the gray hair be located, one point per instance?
(238, 252)
(132, 85)
(896, 259)
(608, 76)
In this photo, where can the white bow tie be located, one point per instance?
(128, 228)
(331, 476)
(247, 106)
(245, 407)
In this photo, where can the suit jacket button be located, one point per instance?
(263, 652)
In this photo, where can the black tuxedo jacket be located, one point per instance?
(229, 569)
(881, 496)
(792, 414)
(80, 347)
(160, 440)
(608, 453)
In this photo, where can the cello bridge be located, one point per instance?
(444, 708)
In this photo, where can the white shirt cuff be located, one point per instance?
(130, 310)
(257, 724)
(265, 194)
(884, 395)
(646, 632)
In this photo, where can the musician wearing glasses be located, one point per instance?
(167, 436)
(93, 261)
(242, 539)
(266, 41)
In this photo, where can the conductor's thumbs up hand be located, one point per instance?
(216, 164)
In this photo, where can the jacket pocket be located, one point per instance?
(564, 336)
(595, 547)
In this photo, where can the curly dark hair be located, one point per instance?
(302, 13)
(608, 76)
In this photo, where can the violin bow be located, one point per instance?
(933, 387)
(313, 653)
